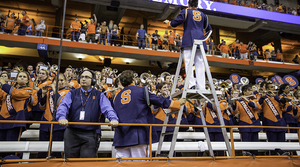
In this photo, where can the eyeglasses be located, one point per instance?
(86, 77)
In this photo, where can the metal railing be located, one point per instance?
(150, 158)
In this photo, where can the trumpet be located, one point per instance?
(238, 98)
(162, 76)
(20, 69)
(110, 90)
(135, 75)
(115, 71)
(54, 67)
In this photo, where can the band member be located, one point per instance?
(131, 107)
(47, 104)
(43, 80)
(17, 102)
(287, 107)
(272, 116)
(194, 22)
(247, 108)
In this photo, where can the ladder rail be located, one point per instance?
(164, 128)
(200, 42)
(179, 116)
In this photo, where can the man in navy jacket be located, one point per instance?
(84, 104)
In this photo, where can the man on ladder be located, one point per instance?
(194, 22)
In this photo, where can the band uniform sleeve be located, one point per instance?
(18, 94)
(107, 109)
(63, 108)
(179, 20)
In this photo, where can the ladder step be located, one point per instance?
(173, 112)
(167, 133)
(194, 94)
(162, 155)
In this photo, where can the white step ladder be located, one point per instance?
(191, 94)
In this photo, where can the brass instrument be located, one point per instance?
(115, 71)
(162, 76)
(224, 85)
(229, 83)
(54, 67)
(20, 69)
(135, 75)
(110, 90)
(244, 81)
(144, 77)
(238, 98)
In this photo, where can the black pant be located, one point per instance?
(80, 143)
(90, 37)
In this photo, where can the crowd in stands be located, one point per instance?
(95, 32)
(264, 6)
(241, 104)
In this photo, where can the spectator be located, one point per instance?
(171, 40)
(30, 27)
(253, 52)
(114, 35)
(219, 46)
(225, 50)
(236, 53)
(251, 4)
(141, 34)
(244, 51)
(268, 55)
(233, 2)
(273, 55)
(110, 27)
(294, 12)
(270, 7)
(10, 23)
(148, 41)
(298, 10)
(2, 22)
(75, 29)
(91, 28)
(236, 44)
(296, 59)
(280, 9)
(178, 42)
(278, 56)
(211, 47)
(97, 35)
(40, 28)
(155, 37)
(103, 32)
(165, 40)
(24, 24)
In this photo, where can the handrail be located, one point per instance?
(136, 124)
(150, 142)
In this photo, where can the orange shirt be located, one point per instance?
(224, 48)
(103, 30)
(251, 5)
(76, 26)
(91, 28)
(278, 55)
(234, 45)
(171, 39)
(25, 20)
(10, 24)
(243, 49)
(233, 2)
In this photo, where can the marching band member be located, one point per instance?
(272, 116)
(72, 83)
(247, 109)
(287, 107)
(131, 107)
(212, 118)
(47, 104)
(17, 102)
(43, 80)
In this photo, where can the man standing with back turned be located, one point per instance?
(84, 104)
(194, 22)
